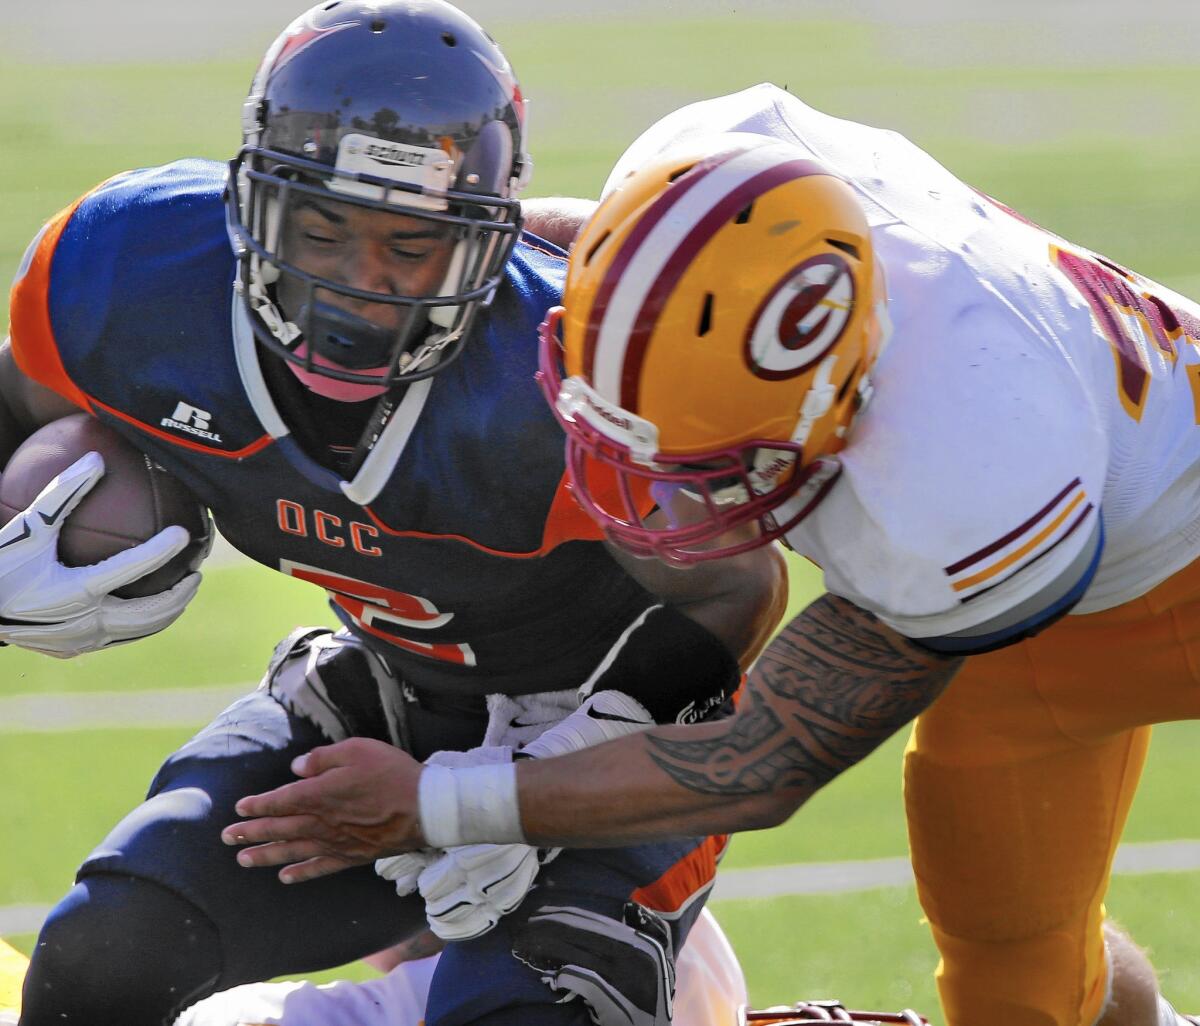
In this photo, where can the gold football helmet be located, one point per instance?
(722, 311)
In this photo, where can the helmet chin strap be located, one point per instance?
(444, 316)
(377, 466)
(260, 301)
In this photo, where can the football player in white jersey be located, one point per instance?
(1023, 446)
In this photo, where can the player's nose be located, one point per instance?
(365, 268)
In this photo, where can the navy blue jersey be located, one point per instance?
(473, 570)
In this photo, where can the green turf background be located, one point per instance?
(1101, 150)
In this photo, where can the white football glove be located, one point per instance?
(404, 870)
(470, 887)
(66, 611)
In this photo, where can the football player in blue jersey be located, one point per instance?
(349, 388)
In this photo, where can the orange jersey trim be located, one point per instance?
(185, 443)
(36, 350)
(692, 874)
(30, 330)
(565, 522)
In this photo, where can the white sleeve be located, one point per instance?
(968, 509)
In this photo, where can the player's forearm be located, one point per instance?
(25, 405)
(616, 794)
(833, 686)
(557, 219)
(739, 600)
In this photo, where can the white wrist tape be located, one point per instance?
(469, 805)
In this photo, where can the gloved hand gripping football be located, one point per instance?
(66, 611)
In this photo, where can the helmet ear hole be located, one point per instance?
(679, 173)
(845, 247)
(449, 39)
(850, 379)
(705, 324)
(595, 248)
(744, 214)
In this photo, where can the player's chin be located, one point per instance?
(369, 383)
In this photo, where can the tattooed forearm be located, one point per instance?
(758, 756)
(833, 686)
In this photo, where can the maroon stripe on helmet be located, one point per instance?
(708, 226)
(1012, 535)
(657, 210)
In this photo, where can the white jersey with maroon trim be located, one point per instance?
(1029, 385)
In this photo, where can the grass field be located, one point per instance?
(1100, 152)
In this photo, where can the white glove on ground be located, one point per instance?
(66, 611)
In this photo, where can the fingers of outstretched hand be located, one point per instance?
(301, 797)
(280, 853)
(314, 868)
(303, 859)
(360, 753)
(274, 829)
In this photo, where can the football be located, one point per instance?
(134, 500)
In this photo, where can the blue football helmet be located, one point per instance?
(405, 107)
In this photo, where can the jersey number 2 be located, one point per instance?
(384, 612)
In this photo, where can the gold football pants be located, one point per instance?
(1017, 784)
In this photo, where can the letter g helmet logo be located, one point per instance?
(801, 318)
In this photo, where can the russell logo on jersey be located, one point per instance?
(192, 420)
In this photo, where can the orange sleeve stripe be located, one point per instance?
(30, 330)
(692, 874)
(36, 349)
